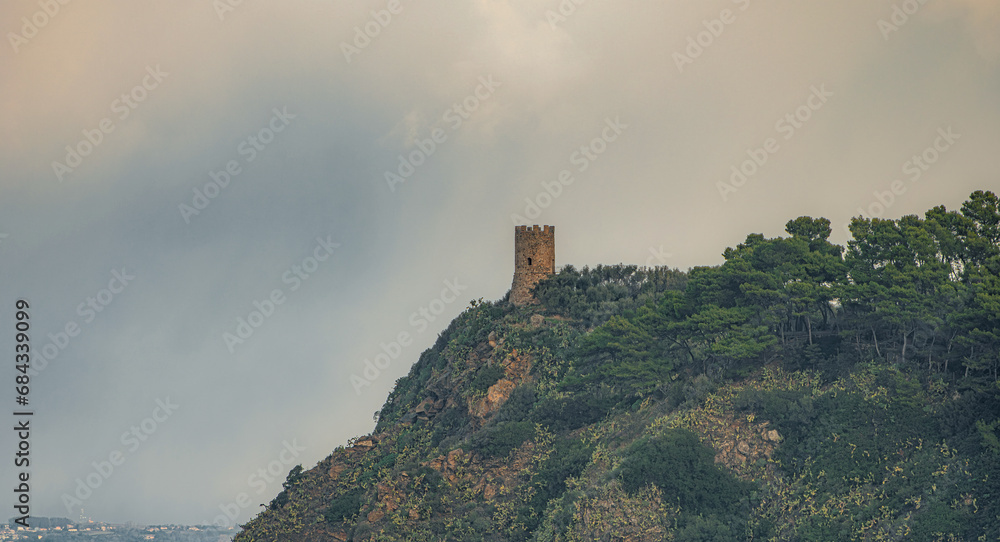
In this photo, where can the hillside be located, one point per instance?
(799, 391)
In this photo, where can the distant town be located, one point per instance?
(63, 529)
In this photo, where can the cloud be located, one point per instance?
(653, 188)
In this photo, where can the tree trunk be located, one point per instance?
(875, 337)
(902, 354)
(930, 352)
(947, 354)
(972, 355)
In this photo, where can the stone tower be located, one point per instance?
(534, 259)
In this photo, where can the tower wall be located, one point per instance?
(534, 259)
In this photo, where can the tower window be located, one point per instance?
(529, 261)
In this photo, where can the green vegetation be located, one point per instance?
(799, 391)
(498, 440)
(574, 411)
(344, 507)
(713, 504)
(290, 482)
(486, 377)
(681, 466)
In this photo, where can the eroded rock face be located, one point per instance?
(336, 470)
(516, 369)
(388, 497)
(345, 459)
(489, 492)
(428, 408)
(496, 396)
(449, 465)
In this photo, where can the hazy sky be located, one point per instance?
(377, 155)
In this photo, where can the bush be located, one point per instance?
(386, 462)
(573, 412)
(684, 470)
(938, 518)
(293, 478)
(702, 529)
(486, 377)
(449, 423)
(518, 405)
(788, 409)
(499, 439)
(592, 296)
(344, 507)
(425, 480)
(568, 459)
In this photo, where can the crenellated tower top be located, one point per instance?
(534, 259)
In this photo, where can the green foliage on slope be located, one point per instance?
(799, 391)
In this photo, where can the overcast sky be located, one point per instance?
(378, 161)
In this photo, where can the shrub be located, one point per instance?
(386, 462)
(291, 480)
(569, 457)
(706, 529)
(684, 470)
(518, 405)
(938, 519)
(448, 424)
(573, 412)
(788, 409)
(344, 507)
(499, 439)
(486, 377)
